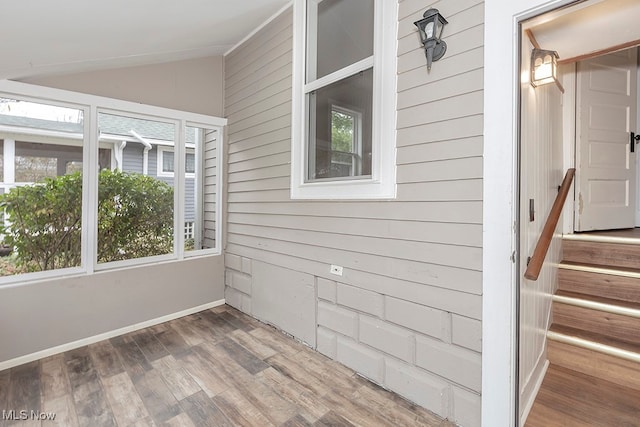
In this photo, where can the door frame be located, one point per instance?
(500, 205)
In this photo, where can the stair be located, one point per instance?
(593, 345)
(596, 310)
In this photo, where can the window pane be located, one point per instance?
(340, 128)
(135, 210)
(167, 161)
(344, 35)
(190, 166)
(43, 197)
(200, 189)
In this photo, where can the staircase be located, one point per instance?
(593, 344)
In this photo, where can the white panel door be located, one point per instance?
(606, 167)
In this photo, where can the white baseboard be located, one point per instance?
(100, 337)
(536, 389)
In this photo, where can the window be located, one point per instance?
(165, 162)
(135, 211)
(43, 219)
(201, 191)
(78, 191)
(343, 137)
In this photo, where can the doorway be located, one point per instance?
(583, 123)
(606, 159)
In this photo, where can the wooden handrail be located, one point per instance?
(540, 252)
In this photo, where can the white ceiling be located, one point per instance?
(587, 27)
(58, 37)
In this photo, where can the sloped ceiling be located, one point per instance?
(588, 27)
(58, 37)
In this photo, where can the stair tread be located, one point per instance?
(598, 299)
(595, 337)
(572, 398)
(589, 252)
(602, 266)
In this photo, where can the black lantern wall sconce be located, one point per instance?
(430, 28)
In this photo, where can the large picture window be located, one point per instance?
(91, 183)
(343, 140)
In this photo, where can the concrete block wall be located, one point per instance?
(237, 280)
(428, 355)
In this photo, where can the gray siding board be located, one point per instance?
(279, 87)
(415, 77)
(277, 123)
(440, 150)
(435, 232)
(466, 212)
(446, 254)
(209, 190)
(463, 127)
(282, 146)
(261, 173)
(274, 111)
(424, 247)
(437, 295)
(269, 61)
(467, 82)
(265, 83)
(249, 116)
(465, 105)
(278, 183)
(440, 170)
(260, 162)
(265, 140)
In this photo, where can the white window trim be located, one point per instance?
(91, 104)
(382, 182)
(167, 148)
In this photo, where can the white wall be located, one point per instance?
(193, 85)
(541, 162)
(38, 316)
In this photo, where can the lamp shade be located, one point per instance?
(544, 67)
(431, 25)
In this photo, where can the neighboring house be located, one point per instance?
(400, 251)
(34, 149)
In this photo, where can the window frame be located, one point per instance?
(161, 149)
(90, 105)
(381, 184)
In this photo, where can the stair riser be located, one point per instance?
(613, 325)
(599, 253)
(604, 366)
(600, 285)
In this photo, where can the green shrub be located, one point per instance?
(135, 219)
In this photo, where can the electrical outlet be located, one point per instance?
(336, 269)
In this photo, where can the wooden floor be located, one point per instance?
(569, 398)
(214, 368)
